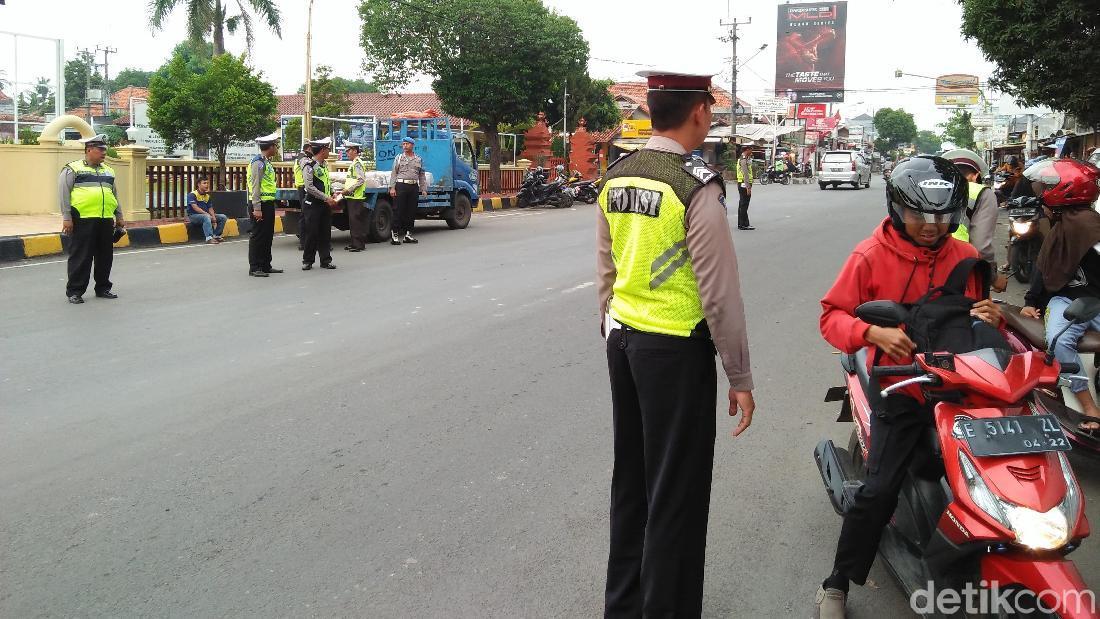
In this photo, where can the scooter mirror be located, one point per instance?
(1083, 310)
(882, 313)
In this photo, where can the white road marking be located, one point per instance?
(578, 287)
(127, 253)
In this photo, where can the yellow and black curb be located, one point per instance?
(36, 245)
(495, 204)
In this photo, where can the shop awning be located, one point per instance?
(629, 143)
(756, 131)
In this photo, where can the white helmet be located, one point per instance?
(968, 158)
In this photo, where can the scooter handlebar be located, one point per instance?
(896, 370)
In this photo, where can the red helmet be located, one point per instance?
(1066, 182)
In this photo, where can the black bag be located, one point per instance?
(940, 321)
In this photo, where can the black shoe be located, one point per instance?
(307, 266)
(257, 274)
(328, 265)
(76, 299)
(106, 295)
(746, 227)
(354, 249)
(409, 239)
(394, 239)
(272, 270)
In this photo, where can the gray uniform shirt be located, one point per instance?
(408, 168)
(257, 177)
(65, 185)
(307, 176)
(983, 226)
(714, 262)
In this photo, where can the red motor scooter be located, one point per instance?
(990, 502)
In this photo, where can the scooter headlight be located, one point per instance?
(1021, 227)
(1033, 529)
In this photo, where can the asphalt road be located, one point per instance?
(424, 432)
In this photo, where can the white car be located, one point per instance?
(844, 167)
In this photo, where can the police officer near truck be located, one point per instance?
(670, 295)
(406, 178)
(300, 184)
(317, 208)
(354, 198)
(261, 191)
(92, 217)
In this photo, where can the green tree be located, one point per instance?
(330, 98)
(1044, 51)
(227, 103)
(894, 127)
(196, 57)
(959, 130)
(927, 142)
(39, 99)
(212, 17)
(477, 71)
(131, 77)
(355, 86)
(80, 75)
(588, 99)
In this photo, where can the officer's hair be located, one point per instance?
(669, 110)
(202, 179)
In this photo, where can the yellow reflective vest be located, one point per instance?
(267, 182)
(644, 199)
(962, 232)
(93, 194)
(360, 191)
(741, 173)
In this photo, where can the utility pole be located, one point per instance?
(565, 126)
(733, 65)
(307, 119)
(106, 78)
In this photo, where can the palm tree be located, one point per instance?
(211, 16)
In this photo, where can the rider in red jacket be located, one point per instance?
(911, 252)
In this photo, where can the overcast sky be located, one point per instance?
(918, 36)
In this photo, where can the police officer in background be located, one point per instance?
(354, 193)
(299, 184)
(261, 193)
(317, 208)
(406, 178)
(670, 295)
(90, 214)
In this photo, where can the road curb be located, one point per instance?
(495, 204)
(37, 245)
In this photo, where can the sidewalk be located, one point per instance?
(25, 225)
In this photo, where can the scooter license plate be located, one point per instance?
(1005, 436)
(1026, 213)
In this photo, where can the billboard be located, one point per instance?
(957, 89)
(811, 110)
(809, 59)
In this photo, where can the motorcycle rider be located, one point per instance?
(1068, 266)
(911, 252)
(981, 210)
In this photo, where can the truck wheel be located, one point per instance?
(380, 221)
(459, 216)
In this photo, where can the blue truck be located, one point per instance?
(449, 160)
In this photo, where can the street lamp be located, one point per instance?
(307, 120)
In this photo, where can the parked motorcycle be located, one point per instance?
(1024, 236)
(536, 190)
(1030, 334)
(585, 191)
(994, 500)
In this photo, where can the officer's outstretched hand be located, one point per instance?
(742, 400)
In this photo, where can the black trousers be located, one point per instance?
(357, 222)
(896, 438)
(663, 392)
(316, 232)
(743, 207)
(91, 243)
(259, 240)
(404, 207)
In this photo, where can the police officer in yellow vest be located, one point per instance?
(261, 193)
(744, 188)
(317, 208)
(299, 183)
(981, 210)
(670, 295)
(354, 194)
(90, 215)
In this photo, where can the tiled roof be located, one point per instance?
(372, 104)
(635, 92)
(120, 101)
(4, 97)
